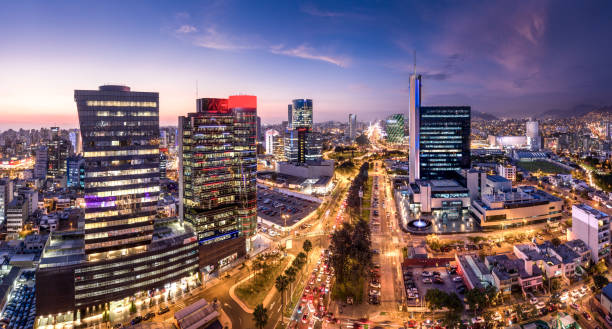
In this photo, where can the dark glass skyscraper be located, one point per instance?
(218, 168)
(120, 248)
(300, 144)
(58, 150)
(444, 140)
(120, 131)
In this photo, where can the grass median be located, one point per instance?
(254, 290)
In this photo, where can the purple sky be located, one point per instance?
(506, 58)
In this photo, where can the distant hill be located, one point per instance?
(477, 116)
(576, 111)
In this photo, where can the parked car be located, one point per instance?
(163, 310)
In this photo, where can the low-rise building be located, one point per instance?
(16, 215)
(606, 298)
(507, 171)
(521, 206)
(514, 274)
(566, 260)
(474, 272)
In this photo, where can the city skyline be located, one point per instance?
(350, 58)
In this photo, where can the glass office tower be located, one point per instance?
(218, 171)
(299, 145)
(120, 131)
(121, 247)
(444, 140)
(395, 128)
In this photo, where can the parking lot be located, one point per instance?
(417, 281)
(271, 205)
(20, 311)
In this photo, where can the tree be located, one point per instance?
(600, 281)
(260, 316)
(291, 273)
(436, 299)
(307, 246)
(556, 241)
(281, 285)
(476, 298)
(518, 309)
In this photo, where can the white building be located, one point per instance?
(270, 138)
(532, 132)
(507, 171)
(593, 227)
(521, 206)
(16, 215)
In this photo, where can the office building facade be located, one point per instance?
(414, 106)
(120, 248)
(394, 128)
(58, 150)
(444, 141)
(75, 172)
(301, 143)
(532, 131)
(352, 126)
(218, 177)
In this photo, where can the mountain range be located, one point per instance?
(576, 111)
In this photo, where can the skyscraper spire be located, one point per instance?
(415, 62)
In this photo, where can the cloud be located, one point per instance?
(312, 10)
(212, 39)
(186, 29)
(306, 52)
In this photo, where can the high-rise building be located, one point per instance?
(593, 227)
(532, 132)
(218, 177)
(414, 106)
(74, 135)
(259, 132)
(163, 164)
(119, 249)
(439, 137)
(444, 141)
(75, 172)
(6, 196)
(58, 150)
(42, 159)
(395, 128)
(271, 135)
(352, 126)
(300, 147)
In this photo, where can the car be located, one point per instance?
(136, 320)
(587, 316)
(461, 290)
(533, 300)
(477, 319)
(374, 292)
(540, 305)
(148, 316)
(438, 280)
(457, 279)
(305, 318)
(375, 284)
(426, 274)
(427, 280)
(300, 308)
(436, 273)
(575, 306)
(496, 317)
(163, 310)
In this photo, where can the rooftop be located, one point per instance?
(590, 210)
(497, 179)
(607, 291)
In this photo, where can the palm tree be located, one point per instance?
(291, 273)
(281, 285)
(260, 316)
